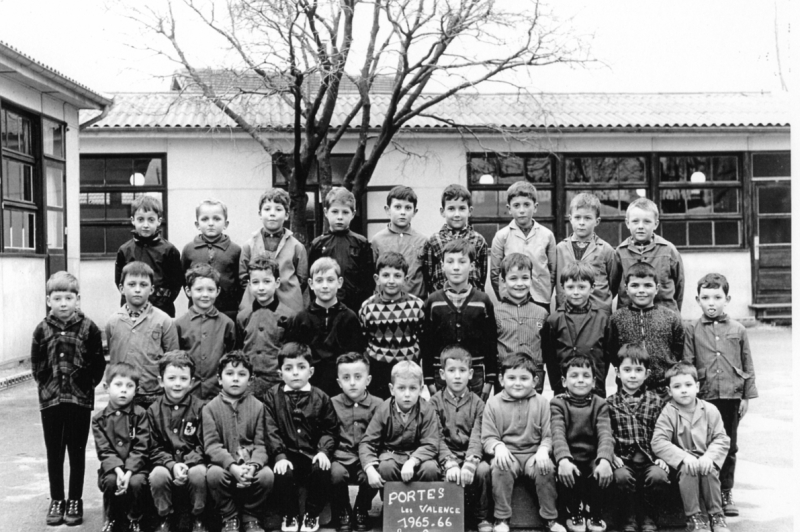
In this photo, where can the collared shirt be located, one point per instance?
(433, 255)
(205, 337)
(539, 245)
(633, 419)
(135, 314)
(223, 255)
(460, 418)
(176, 434)
(122, 438)
(519, 327)
(602, 257)
(410, 245)
(354, 418)
(664, 257)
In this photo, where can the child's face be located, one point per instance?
(325, 284)
(522, 210)
(234, 379)
(641, 224)
(121, 391)
(353, 379)
(456, 268)
(456, 375)
(339, 216)
(406, 392)
(578, 381)
(518, 283)
(642, 291)
(456, 213)
(577, 292)
(518, 382)
(211, 221)
(63, 303)
(295, 372)
(203, 293)
(136, 290)
(683, 389)
(583, 221)
(176, 382)
(713, 301)
(263, 285)
(400, 213)
(632, 374)
(390, 281)
(273, 215)
(145, 223)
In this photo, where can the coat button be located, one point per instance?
(63, 333)
(717, 353)
(299, 431)
(119, 444)
(176, 407)
(175, 431)
(61, 355)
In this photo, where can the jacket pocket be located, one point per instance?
(702, 381)
(738, 382)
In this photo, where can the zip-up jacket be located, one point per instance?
(329, 332)
(164, 258)
(354, 255)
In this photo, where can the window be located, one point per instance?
(109, 184)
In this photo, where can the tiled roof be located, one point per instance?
(547, 110)
(227, 81)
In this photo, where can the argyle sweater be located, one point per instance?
(392, 329)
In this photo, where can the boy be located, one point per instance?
(398, 236)
(463, 315)
(525, 235)
(301, 429)
(121, 437)
(634, 410)
(261, 326)
(583, 445)
(659, 328)
(212, 246)
(586, 247)
(350, 250)
(516, 431)
(327, 326)
(456, 210)
(139, 333)
(67, 363)
(233, 439)
(402, 439)
(519, 319)
(204, 332)
(354, 408)
(690, 437)
(641, 218)
(460, 452)
(391, 321)
(577, 328)
(176, 442)
(278, 244)
(719, 349)
(148, 246)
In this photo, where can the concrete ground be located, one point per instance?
(765, 490)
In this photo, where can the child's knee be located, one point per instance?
(265, 478)
(160, 477)
(428, 471)
(215, 476)
(339, 474)
(197, 474)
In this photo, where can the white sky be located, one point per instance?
(640, 46)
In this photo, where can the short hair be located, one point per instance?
(519, 261)
(578, 271)
(351, 358)
(577, 361)
(636, 352)
(455, 352)
(522, 189)
(275, 195)
(179, 359)
(402, 193)
(406, 369)
(643, 204)
(681, 368)
(147, 203)
(340, 195)
(456, 192)
(201, 271)
(262, 263)
(461, 246)
(391, 259)
(234, 358)
(641, 270)
(62, 282)
(294, 350)
(122, 369)
(211, 203)
(713, 280)
(137, 269)
(323, 264)
(585, 200)
(518, 361)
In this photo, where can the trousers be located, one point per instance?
(342, 475)
(316, 480)
(130, 503)
(66, 430)
(729, 410)
(585, 490)
(705, 486)
(229, 498)
(503, 487)
(163, 489)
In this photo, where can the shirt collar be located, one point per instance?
(306, 388)
(350, 402)
(454, 397)
(392, 230)
(279, 234)
(183, 402)
(534, 227)
(212, 312)
(271, 306)
(222, 242)
(76, 317)
(722, 319)
(578, 310)
(136, 315)
(404, 414)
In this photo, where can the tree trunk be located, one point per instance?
(324, 174)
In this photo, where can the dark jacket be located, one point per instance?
(388, 437)
(205, 337)
(354, 255)
(176, 432)
(460, 420)
(223, 255)
(664, 257)
(581, 429)
(353, 421)
(234, 433)
(260, 334)
(122, 438)
(329, 332)
(164, 258)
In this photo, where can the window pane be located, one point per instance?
(53, 137)
(92, 205)
(579, 170)
(18, 229)
(18, 179)
(538, 170)
(479, 167)
(92, 239)
(487, 230)
(17, 133)
(119, 171)
(606, 170)
(675, 232)
(631, 170)
(118, 205)
(698, 201)
(701, 165)
(150, 169)
(512, 167)
(772, 164)
(726, 168)
(775, 230)
(485, 204)
(92, 171)
(726, 234)
(774, 198)
(726, 200)
(55, 229)
(55, 186)
(673, 169)
(673, 201)
(545, 203)
(611, 232)
(116, 236)
(700, 234)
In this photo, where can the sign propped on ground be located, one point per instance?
(423, 507)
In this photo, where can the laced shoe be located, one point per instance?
(728, 506)
(55, 514)
(718, 523)
(310, 524)
(695, 522)
(576, 524)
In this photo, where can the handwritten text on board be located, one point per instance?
(423, 507)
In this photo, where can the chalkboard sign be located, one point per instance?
(423, 507)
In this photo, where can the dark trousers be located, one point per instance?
(427, 471)
(324, 377)
(163, 490)
(229, 498)
(639, 483)
(585, 490)
(477, 494)
(729, 410)
(66, 430)
(316, 480)
(131, 503)
(381, 377)
(342, 475)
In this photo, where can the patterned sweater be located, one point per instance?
(392, 329)
(433, 253)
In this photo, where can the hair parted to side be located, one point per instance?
(201, 271)
(292, 350)
(351, 358)
(137, 269)
(262, 263)
(460, 246)
(340, 195)
(122, 369)
(641, 270)
(323, 264)
(585, 200)
(234, 359)
(179, 359)
(643, 204)
(577, 361)
(637, 353)
(407, 369)
(402, 193)
(713, 280)
(147, 203)
(62, 282)
(274, 195)
(520, 261)
(211, 202)
(456, 192)
(518, 361)
(455, 352)
(578, 271)
(522, 189)
(681, 368)
(391, 259)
